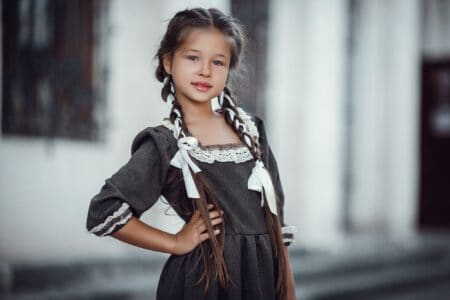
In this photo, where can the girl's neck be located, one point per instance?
(198, 112)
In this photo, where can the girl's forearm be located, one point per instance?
(139, 234)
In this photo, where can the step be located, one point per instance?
(364, 274)
(372, 274)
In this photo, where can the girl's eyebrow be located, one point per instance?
(198, 51)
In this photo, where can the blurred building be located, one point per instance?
(355, 95)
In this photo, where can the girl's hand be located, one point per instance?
(194, 232)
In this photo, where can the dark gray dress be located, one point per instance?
(136, 186)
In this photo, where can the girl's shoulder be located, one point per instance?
(159, 136)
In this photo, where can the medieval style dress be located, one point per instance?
(137, 185)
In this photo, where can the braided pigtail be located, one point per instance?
(233, 118)
(202, 195)
(231, 112)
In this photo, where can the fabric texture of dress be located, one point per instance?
(137, 185)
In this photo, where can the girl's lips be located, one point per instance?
(201, 86)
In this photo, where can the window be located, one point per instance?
(53, 68)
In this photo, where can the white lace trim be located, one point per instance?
(122, 221)
(236, 154)
(289, 229)
(117, 213)
(288, 241)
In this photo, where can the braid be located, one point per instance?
(176, 117)
(235, 121)
(212, 249)
(273, 222)
(176, 113)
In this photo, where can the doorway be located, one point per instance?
(434, 201)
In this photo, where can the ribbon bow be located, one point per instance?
(183, 161)
(260, 181)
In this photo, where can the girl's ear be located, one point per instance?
(167, 63)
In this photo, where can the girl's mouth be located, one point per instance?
(201, 86)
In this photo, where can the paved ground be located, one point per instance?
(367, 268)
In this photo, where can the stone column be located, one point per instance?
(305, 88)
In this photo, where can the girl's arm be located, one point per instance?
(137, 233)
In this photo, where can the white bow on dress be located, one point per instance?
(261, 181)
(183, 161)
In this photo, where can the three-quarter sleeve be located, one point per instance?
(134, 188)
(270, 162)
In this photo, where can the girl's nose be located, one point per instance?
(205, 69)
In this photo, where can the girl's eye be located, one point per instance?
(219, 63)
(192, 57)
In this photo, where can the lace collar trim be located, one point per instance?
(231, 152)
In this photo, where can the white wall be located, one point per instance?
(46, 186)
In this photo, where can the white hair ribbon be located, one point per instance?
(220, 98)
(170, 98)
(215, 106)
(177, 128)
(260, 181)
(183, 161)
(170, 101)
(228, 99)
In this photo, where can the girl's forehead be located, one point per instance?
(207, 40)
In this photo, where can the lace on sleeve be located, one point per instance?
(133, 189)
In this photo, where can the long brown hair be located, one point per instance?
(212, 249)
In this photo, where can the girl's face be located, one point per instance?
(200, 66)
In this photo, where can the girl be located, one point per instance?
(214, 167)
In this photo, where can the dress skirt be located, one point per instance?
(250, 267)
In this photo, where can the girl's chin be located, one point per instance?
(199, 98)
(196, 101)
(204, 99)
(201, 101)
